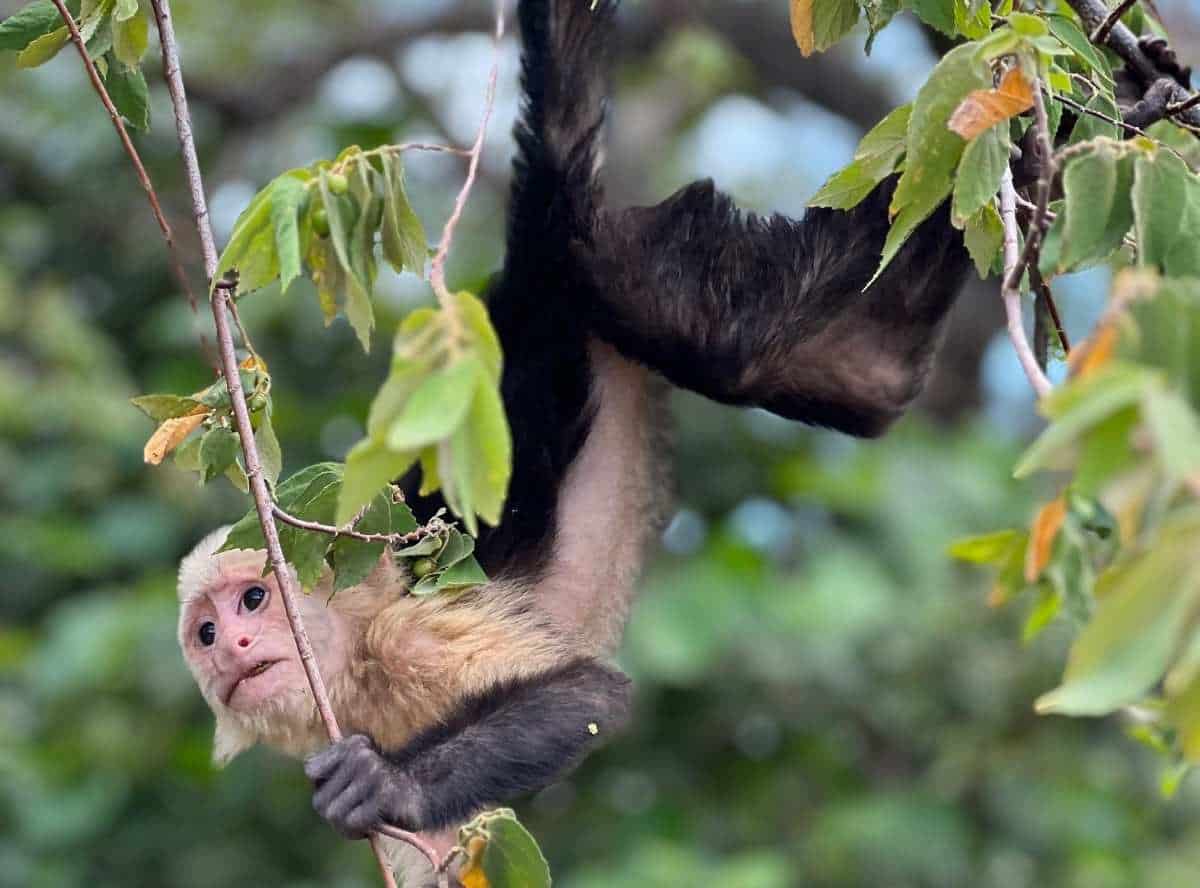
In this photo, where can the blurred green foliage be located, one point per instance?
(824, 699)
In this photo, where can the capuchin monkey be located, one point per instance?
(455, 703)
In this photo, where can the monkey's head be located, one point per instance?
(235, 637)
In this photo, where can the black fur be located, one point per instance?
(516, 738)
(771, 311)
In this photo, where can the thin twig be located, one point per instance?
(132, 152)
(437, 272)
(1012, 295)
(1052, 307)
(396, 539)
(1186, 105)
(1103, 29)
(1037, 228)
(220, 298)
(426, 146)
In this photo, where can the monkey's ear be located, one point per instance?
(230, 740)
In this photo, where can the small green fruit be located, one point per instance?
(423, 567)
(338, 183)
(320, 222)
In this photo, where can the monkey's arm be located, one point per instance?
(513, 739)
(771, 311)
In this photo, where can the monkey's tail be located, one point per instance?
(564, 73)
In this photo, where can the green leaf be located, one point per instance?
(937, 14)
(983, 163)
(1078, 406)
(483, 335)
(973, 18)
(1143, 610)
(404, 242)
(510, 858)
(1166, 209)
(251, 224)
(128, 91)
(1089, 126)
(437, 407)
(43, 48)
(187, 454)
(988, 548)
(488, 453)
(1097, 206)
(270, 454)
(831, 21)
(343, 215)
(354, 560)
(125, 9)
(30, 22)
(984, 235)
(163, 407)
(1068, 32)
(130, 36)
(463, 575)
(874, 160)
(287, 200)
(359, 311)
(1176, 432)
(933, 149)
(92, 13)
(1028, 25)
(370, 466)
(906, 222)
(218, 449)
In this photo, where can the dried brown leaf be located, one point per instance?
(984, 108)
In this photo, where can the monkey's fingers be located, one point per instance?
(355, 811)
(322, 765)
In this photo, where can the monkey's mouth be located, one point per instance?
(253, 672)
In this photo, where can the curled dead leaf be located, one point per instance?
(984, 108)
(170, 435)
(802, 26)
(1046, 525)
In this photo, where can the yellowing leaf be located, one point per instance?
(1096, 352)
(802, 26)
(170, 435)
(984, 108)
(1046, 525)
(472, 874)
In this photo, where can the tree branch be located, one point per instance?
(1103, 29)
(1012, 294)
(1048, 168)
(1122, 41)
(219, 300)
(130, 150)
(437, 271)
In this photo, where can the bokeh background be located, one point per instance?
(824, 698)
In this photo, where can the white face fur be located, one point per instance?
(235, 637)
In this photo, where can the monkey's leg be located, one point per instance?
(514, 739)
(771, 311)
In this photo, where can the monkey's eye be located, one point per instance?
(253, 597)
(208, 633)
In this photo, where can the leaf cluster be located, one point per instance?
(1118, 551)
(116, 34)
(322, 221)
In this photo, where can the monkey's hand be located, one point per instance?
(358, 790)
